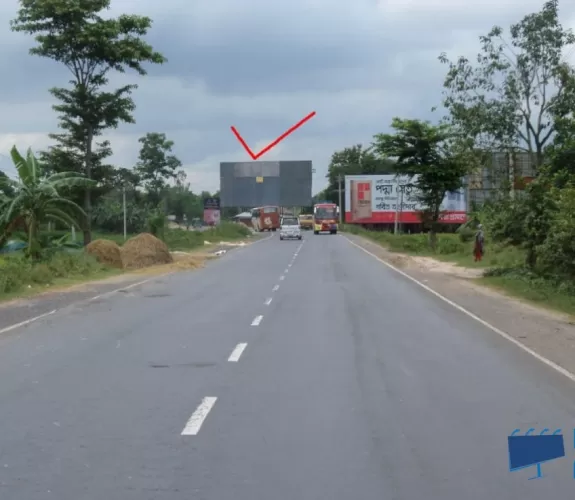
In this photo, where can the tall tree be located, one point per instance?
(157, 165)
(430, 153)
(518, 90)
(354, 160)
(73, 33)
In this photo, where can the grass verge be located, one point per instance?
(20, 277)
(503, 266)
(180, 239)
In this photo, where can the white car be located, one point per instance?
(290, 229)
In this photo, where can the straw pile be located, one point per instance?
(106, 252)
(144, 250)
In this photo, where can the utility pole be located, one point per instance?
(125, 215)
(339, 193)
(398, 205)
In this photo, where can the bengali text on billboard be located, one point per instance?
(372, 199)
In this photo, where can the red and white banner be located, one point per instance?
(373, 199)
(405, 218)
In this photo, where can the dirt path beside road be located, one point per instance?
(550, 334)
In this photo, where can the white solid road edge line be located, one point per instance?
(133, 285)
(26, 322)
(237, 352)
(111, 292)
(257, 320)
(197, 419)
(268, 301)
(263, 239)
(506, 336)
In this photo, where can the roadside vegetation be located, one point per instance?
(63, 263)
(517, 96)
(69, 199)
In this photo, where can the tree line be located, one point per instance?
(75, 172)
(516, 97)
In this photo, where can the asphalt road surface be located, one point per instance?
(282, 371)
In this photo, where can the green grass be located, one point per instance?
(21, 277)
(544, 294)
(449, 248)
(180, 239)
(537, 290)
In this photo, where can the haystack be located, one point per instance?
(105, 251)
(145, 250)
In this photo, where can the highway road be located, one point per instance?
(282, 371)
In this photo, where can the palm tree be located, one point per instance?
(35, 199)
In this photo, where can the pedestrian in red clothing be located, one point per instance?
(479, 242)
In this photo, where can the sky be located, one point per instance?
(262, 66)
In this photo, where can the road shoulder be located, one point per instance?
(20, 310)
(549, 334)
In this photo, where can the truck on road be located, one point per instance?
(306, 221)
(266, 218)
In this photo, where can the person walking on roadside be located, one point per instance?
(479, 241)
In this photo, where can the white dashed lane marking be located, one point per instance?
(282, 278)
(237, 352)
(268, 301)
(276, 288)
(197, 419)
(257, 320)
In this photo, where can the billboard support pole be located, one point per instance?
(124, 210)
(339, 191)
(401, 208)
(396, 207)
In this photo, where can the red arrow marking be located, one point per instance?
(274, 143)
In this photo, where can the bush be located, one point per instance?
(557, 253)
(109, 217)
(466, 234)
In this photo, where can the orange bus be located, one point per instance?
(266, 218)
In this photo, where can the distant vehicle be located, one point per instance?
(290, 229)
(306, 221)
(325, 218)
(266, 218)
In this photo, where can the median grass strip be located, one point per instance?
(503, 265)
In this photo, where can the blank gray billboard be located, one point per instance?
(259, 183)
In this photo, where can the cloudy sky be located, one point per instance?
(261, 66)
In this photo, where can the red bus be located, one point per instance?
(325, 218)
(266, 218)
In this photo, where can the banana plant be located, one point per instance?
(36, 199)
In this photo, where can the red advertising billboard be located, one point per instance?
(373, 199)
